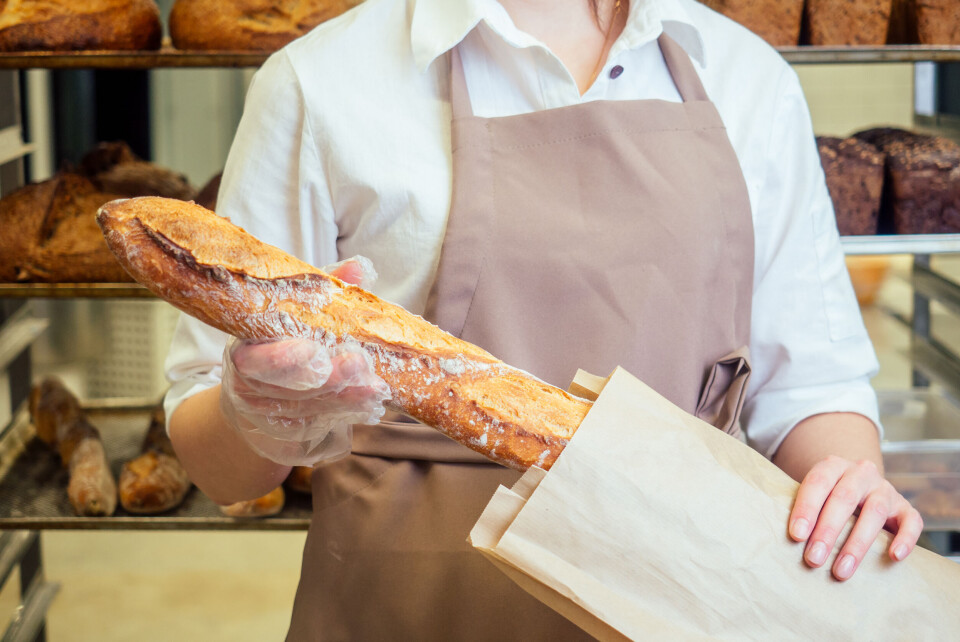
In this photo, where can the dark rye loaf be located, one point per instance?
(922, 189)
(854, 171)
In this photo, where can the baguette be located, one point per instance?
(62, 425)
(155, 481)
(215, 271)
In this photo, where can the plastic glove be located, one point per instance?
(295, 400)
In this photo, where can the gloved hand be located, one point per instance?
(295, 400)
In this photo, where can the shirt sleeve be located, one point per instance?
(273, 186)
(810, 350)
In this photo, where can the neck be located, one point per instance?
(577, 34)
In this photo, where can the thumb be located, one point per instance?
(357, 270)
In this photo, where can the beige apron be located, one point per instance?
(601, 234)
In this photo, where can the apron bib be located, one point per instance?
(601, 234)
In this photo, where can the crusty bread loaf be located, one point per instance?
(927, 22)
(299, 479)
(921, 186)
(854, 172)
(938, 21)
(215, 271)
(67, 25)
(155, 481)
(247, 25)
(265, 506)
(50, 234)
(776, 21)
(62, 425)
(841, 22)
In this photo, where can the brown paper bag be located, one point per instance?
(654, 524)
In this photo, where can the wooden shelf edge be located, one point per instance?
(74, 290)
(168, 57)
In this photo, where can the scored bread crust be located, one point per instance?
(247, 25)
(67, 25)
(215, 271)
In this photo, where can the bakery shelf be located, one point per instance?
(855, 55)
(33, 484)
(74, 290)
(166, 57)
(901, 244)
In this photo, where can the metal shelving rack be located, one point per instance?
(31, 482)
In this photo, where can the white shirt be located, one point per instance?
(344, 149)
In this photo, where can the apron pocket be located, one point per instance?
(723, 394)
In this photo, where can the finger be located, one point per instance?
(908, 527)
(842, 503)
(297, 364)
(874, 514)
(813, 492)
(357, 270)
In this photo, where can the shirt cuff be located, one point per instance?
(773, 414)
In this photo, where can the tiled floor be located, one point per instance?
(239, 586)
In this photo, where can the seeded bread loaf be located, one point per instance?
(922, 181)
(854, 171)
(216, 272)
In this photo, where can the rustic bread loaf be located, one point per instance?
(50, 232)
(265, 506)
(62, 425)
(938, 21)
(247, 25)
(854, 171)
(155, 481)
(776, 21)
(215, 271)
(922, 181)
(841, 22)
(67, 25)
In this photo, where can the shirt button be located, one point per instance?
(616, 71)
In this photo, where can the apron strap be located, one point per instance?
(459, 94)
(685, 77)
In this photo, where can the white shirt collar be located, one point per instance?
(439, 25)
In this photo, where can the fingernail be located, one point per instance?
(845, 567)
(800, 528)
(900, 552)
(817, 554)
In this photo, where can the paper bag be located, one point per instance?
(655, 525)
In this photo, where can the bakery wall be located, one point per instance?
(848, 98)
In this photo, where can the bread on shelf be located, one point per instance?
(61, 424)
(247, 25)
(925, 22)
(921, 182)
(50, 233)
(854, 172)
(71, 25)
(154, 481)
(776, 21)
(842, 22)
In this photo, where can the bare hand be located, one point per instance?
(836, 489)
